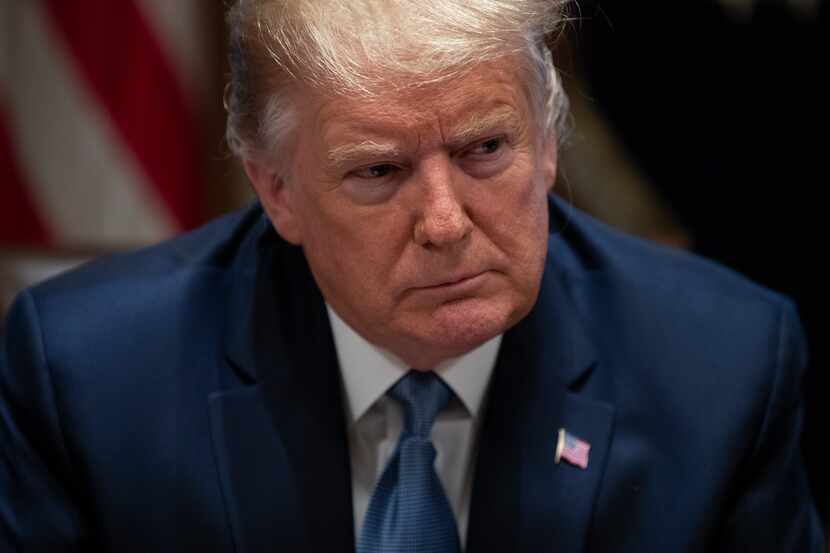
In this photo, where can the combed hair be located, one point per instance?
(368, 47)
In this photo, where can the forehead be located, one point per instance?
(490, 93)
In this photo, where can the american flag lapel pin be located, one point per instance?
(571, 449)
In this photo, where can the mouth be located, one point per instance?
(456, 281)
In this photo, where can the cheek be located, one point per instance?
(515, 208)
(514, 220)
(353, 250)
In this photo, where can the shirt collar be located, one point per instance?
(369, 371)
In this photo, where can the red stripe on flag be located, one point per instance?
(121, 60)
(20, 222)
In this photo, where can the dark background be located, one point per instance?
(725, 113)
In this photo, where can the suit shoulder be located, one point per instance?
(662, 316)
(150, 292)
(211, 247)
(593, 250)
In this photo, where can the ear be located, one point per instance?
(277, 199)
(550, 158)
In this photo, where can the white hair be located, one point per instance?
(369, 47)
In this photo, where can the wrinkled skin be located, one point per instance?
(422, 215)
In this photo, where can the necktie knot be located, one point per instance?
(422, 395)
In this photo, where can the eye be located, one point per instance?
(373, 184)
(487, 147)
(487, 158)
(375, 171)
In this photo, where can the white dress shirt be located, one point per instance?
(375, 421)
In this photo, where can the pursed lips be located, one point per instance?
(452, 280)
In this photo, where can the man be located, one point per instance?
(409, 346)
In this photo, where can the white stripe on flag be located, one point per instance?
(86, 184)
(7, 34)
(183, 29)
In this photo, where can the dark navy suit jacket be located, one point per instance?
(187, 397)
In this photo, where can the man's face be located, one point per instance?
(423, 216)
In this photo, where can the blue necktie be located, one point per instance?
(409, 511)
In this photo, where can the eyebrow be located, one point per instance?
(469, 130)
(473, 128)
(368, 148)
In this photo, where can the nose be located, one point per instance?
(443, 219)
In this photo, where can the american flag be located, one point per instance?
(99, 119)
(572, 450)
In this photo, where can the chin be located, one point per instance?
(460, 326)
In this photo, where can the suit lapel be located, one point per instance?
(280, 442)
(522, 500)
(258, 483)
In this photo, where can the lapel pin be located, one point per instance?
(571, 449)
